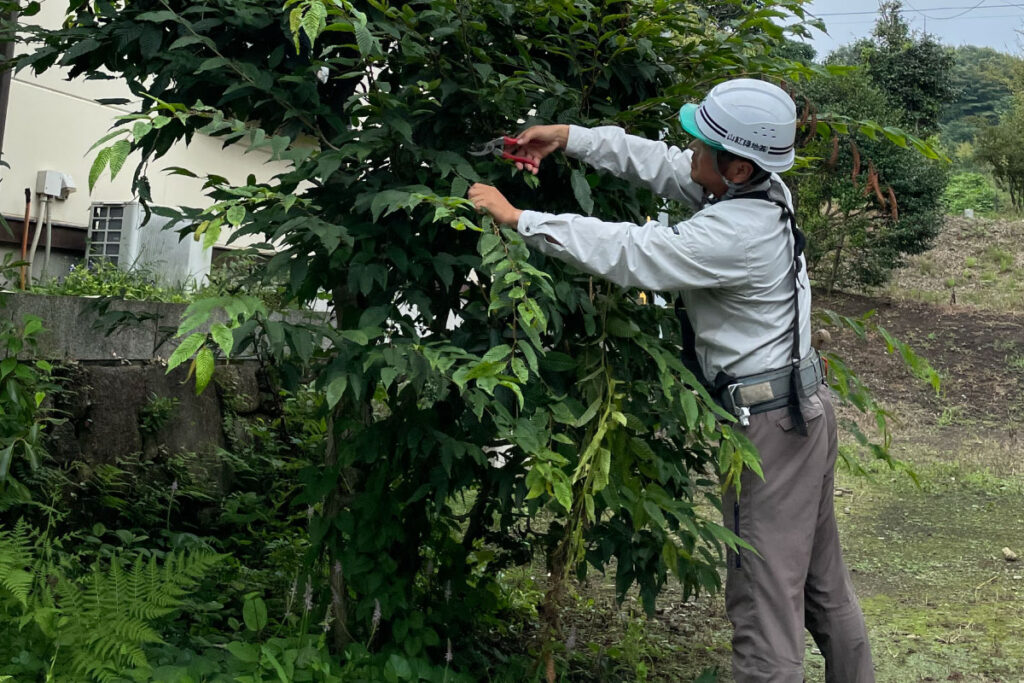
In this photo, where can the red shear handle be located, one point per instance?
(509, 142)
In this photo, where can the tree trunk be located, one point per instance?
(343, 300)
(835, 262)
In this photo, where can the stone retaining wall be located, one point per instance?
(72, 330)
(111, 380)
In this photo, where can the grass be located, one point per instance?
(1000, 257)
(977, 259)
(940, 601)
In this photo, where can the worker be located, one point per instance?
(737, 267)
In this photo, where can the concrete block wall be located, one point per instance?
(110, 379)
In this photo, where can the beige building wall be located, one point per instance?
(52, 123)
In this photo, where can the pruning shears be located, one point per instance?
(498, 147)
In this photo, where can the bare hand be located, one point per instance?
(536, 142)
(489, 199)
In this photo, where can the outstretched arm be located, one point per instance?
(663, 168)
(651, 256)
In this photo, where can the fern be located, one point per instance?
(98, 623)
(16, 560)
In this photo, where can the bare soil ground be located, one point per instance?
(940, 600)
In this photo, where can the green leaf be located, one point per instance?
(392, 200)
(80, 48)
(140, 129)
(497, 354)
(185, 350)
(109, 136)
(254, 613)
(224, 338)
(617, 327)
(556, 361)
(294, 26)
(689, 404)
(98, 164)
(588, 414)
(519, 370)
(118, 155)
(563, 493)
(581, 190)
(5, 461)
(282, 675)
(335, 390)
(368, 45)
(399, 666)
(158, 16)
(185, 41)
(7, 365)
(356, 336)
(314, 21)
(32, 325)
(236, 214)
(212, 63)
(244, 652)
(602, 467)
(204, 369)
(460, 186)
(488, 243)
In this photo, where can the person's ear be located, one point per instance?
(739, 171)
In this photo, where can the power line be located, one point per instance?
(927, 16)
(855, 22)
(930, 9)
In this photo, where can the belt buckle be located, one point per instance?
(741, 412)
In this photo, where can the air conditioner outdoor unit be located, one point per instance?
(117, 234)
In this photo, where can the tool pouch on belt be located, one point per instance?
(770, 390)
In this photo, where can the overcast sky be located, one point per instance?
(989, 23)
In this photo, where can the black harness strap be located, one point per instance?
(689, 352)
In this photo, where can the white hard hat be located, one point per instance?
(750, 118)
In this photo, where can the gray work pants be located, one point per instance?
(800, 579)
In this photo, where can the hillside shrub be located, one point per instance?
(858, 233)
(969, 191)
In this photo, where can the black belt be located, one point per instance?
(766, 391)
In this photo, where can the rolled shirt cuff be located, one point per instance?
(580, 143)
(529, 220)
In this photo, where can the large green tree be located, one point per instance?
(998, 147)
(982, 79)
(872, 203)
(915, 71)
(911, 69)
(482, 404)
(448, 342)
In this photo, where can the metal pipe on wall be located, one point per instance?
(49, 239)
(24, 233)
(44, 207)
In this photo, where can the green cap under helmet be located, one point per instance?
(688, 117)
